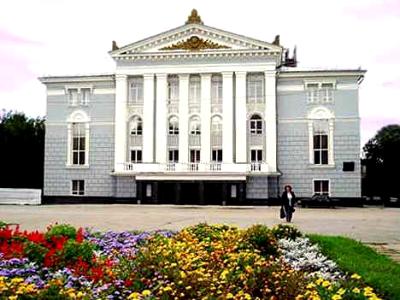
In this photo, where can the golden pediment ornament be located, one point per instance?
(195, 43)
(194, 18)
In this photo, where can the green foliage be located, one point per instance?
(282, 231)
(376, 270)
(35, 252)
(73, 250)
(2, 224)
(262, 239)
(382, 161)
(61, 230)
(17, 134)
(205, 232)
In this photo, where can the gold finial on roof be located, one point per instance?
(194, 18)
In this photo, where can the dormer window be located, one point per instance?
(79, 95)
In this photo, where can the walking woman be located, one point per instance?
(288, 202)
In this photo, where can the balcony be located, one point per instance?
(188, 168)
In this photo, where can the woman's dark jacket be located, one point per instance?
(285, 199)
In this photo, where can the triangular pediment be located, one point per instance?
(194, 36)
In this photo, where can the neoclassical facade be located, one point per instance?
(199, 115)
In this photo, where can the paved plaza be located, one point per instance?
(370, 225)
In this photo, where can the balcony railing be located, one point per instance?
(193, 167)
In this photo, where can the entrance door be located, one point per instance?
(194, 160)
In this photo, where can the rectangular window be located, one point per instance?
(256, 125)
(233, 191)
(216, 155)
(136, 90)
(148, 190)
(320, 92)
(85, 96)
(255, 88)
(320, 149)
(173, 89)
(73, 96)
(321, 187)
(78, 144)
(136, 156)
(194, 89)
(173, 155)
(78, 187)
(256, 155)
(194, 156)
(216, 89)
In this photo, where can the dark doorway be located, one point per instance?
(214, 193)
(190, 193)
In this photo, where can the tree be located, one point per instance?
(382, 160)
(21, 150)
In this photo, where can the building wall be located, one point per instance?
(293, 140)
(58, 177)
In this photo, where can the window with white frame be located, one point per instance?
(194, 156)
(320, 145)
(136, 90)
(136, 126)
(216, 155)
(173, 125)
(194, 89)
(173, 155)
(78, 144)
(136, 156)
(78, 187)
(195, 126)
(255, 88)
(256, 124)
(320, 92)
(216, 125)
(321, 187)
(73, 96)
(173, 89)
(216, 89)
(85, 96)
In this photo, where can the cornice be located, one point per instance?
(77, 78)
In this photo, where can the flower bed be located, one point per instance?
(198, 262)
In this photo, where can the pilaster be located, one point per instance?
(183, 118)
(161, 119)
(241, 115)
(205, 118)
(121, 97)
(148, 118)
(270, 120)
(227, 120)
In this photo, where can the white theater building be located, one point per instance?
(201, 113)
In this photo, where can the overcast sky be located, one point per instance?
(54, 37)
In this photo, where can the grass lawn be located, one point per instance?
(376, 270)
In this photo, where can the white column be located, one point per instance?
(331, 157)
(241, 118)
(270, 120)
(148, 118)
(121, 97)
(183, 118)
(161, 119)
(227, 113)
(205, 118)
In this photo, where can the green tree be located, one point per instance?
(21, 150)
(382, 160)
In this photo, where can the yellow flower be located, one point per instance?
(146, 293)
(310, 285)
(319, 281)
(229, 296)
(356, 290)
(355, 276)
(336, 297)
(247, 296)
(134, 295)
(326, 283)
(12, 297)
(341, 291)
(183, 274)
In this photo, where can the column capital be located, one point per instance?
(227, 74)
(240, 73)
(183, 76)
(148, 75)
(205, 75)
(161, 75)
(121, 76)
(270, 73)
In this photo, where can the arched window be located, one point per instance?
(256, 124)
(216, 125)
(136, 126)
(78, 139)
(194, 126)
(173, 125)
